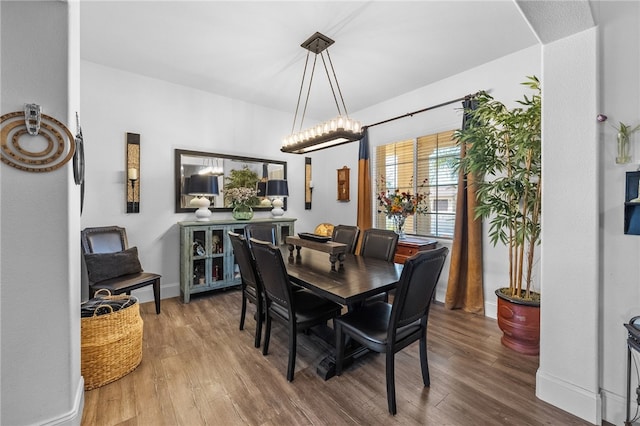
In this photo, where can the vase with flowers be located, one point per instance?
(241, 199)
(398, 205)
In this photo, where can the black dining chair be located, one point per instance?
(389, 328)
(252, 290)
(262, 232)
(380, 244)
(346, 234)
(298, 310)
(113, 265)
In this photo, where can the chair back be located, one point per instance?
(379, 243)
(262, 232)
(274, 276)
(347, 235)
(416, 286)
(246, 263)
(104, 239)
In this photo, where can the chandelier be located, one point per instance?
(336, 131)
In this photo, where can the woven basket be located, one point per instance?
(111, 345)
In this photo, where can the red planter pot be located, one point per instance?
(520, 324)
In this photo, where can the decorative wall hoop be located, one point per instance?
(57, 144)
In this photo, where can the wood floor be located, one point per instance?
(198, 368)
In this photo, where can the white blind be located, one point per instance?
(405, 165)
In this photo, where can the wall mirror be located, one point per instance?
(190, 163)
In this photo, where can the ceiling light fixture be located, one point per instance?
(336, 131)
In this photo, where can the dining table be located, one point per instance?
(350, 285)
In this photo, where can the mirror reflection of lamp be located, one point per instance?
(261, 192)
(202, 186)
(277, 189)
(132, 175)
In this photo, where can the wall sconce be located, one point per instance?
(202, 186)
(132, 182)
(276, 190)
(308, 183)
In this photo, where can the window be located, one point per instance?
(406, 164)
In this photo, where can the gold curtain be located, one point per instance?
(464, 289)
(364, 186)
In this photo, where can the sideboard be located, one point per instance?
(206, 256)
(411, 244)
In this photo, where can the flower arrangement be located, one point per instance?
(240, 195)
(398, 205)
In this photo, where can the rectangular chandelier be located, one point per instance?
(336, 131)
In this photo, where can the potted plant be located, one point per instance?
(503, 151)
(240, 192)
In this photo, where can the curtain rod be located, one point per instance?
(411, 114)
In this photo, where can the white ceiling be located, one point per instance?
(250, 50)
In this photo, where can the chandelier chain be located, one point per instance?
(304, 73)
(333, 91)
(344, 106)
(306, 102)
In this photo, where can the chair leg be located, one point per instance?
(259, 320)
(243, 310)
(156, 295)
(292, 351)
(339, 347)
(391, 383)
(267, 335)
(424, 361)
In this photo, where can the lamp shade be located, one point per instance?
(203, 185)
(185, 184)
(261, 189)
(277, 188)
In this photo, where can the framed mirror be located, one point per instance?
(225, 168)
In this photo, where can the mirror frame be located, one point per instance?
(213, 156)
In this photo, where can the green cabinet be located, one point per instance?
(206, 255)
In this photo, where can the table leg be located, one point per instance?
(327, 367)
(333, 258)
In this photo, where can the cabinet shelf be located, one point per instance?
(632, 208)
(206, 256)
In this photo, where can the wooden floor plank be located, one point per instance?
(198, 368)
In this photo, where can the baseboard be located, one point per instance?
(570, 398)
(73, 417)
(614, 407)
(491, 309)
(145, 294)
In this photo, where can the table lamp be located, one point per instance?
(277, 189)
(202, 186)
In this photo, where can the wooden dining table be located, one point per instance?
(357, 279)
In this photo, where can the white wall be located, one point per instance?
(167, 117)
(39, 223)
(568, 372)
(619, 286)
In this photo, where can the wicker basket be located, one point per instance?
(111, 345)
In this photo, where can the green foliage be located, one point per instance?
(504, 153)
(243, 178)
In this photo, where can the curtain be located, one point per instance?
(364, 186)
(464, 289)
